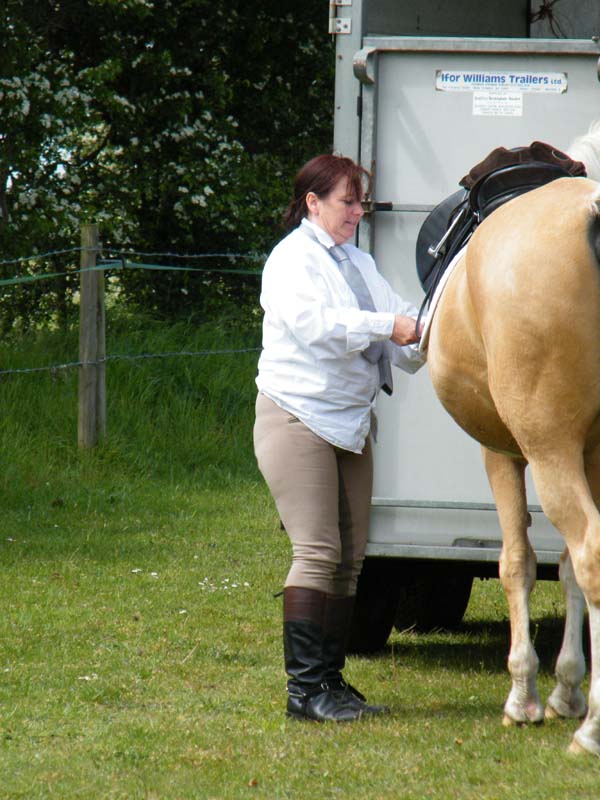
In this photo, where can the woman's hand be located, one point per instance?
(405, 330)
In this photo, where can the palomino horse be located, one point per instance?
(514, 355)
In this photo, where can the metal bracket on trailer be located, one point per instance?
(364, 69)
(369, 206)
(461, 505)
(339, 25)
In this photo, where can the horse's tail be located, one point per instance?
(586, 148)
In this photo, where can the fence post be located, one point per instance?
(92, 343)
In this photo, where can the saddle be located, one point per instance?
(501, 176)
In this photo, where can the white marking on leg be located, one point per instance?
(567, 700)
(587, 738)
(523, 704)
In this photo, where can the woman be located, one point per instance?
(325, 357)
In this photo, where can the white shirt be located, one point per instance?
(314, 332)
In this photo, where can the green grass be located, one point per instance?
(140, 648)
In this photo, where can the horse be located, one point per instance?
(514, 357)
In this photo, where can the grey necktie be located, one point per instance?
(375, 352)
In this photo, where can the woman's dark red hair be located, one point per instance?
(320, 175)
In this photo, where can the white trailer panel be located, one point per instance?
(420, 139)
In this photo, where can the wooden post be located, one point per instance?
(92, 343)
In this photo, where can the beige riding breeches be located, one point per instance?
(322, 494)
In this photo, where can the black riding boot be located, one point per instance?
(337, 620)
(310, 694)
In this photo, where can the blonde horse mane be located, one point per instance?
(586, 148)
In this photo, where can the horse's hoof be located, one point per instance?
(551, 713)
(566, 704)
(584, 746)
(523, 713)
(509, 722)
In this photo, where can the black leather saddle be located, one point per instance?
(451, 224)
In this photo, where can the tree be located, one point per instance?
(178, 126)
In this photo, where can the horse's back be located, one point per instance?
(538, 250)
(515, 346)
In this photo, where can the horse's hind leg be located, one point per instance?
(517, 574)
(567, 700)
(567, 493)
(587, 738)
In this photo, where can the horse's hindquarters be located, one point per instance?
(515, 346)
(457, 360)
(533, 281)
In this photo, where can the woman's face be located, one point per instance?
(338, 213)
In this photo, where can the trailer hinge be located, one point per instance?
(339, 25)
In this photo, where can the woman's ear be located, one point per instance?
(312, 203)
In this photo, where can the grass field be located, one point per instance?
(140, 648)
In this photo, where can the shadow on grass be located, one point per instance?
(476, 646)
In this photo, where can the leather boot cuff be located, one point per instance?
(303, 605)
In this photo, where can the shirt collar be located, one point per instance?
(323, 237)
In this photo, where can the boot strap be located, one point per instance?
(356, 693)
(335, 685)
(340, 685)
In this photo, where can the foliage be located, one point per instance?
(177, 126)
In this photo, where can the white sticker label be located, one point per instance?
(497, 104)
(461, 80)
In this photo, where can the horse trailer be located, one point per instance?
(423, 91)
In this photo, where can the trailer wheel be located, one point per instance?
(377, 597)
(433, 596)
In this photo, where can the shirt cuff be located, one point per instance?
(383, 326)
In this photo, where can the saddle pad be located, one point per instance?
(436, 297)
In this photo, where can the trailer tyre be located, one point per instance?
(377, 598)
(433, 597)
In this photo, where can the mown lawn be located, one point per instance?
(140, 648)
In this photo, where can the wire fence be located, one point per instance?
(55, 368)
(116, 259)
